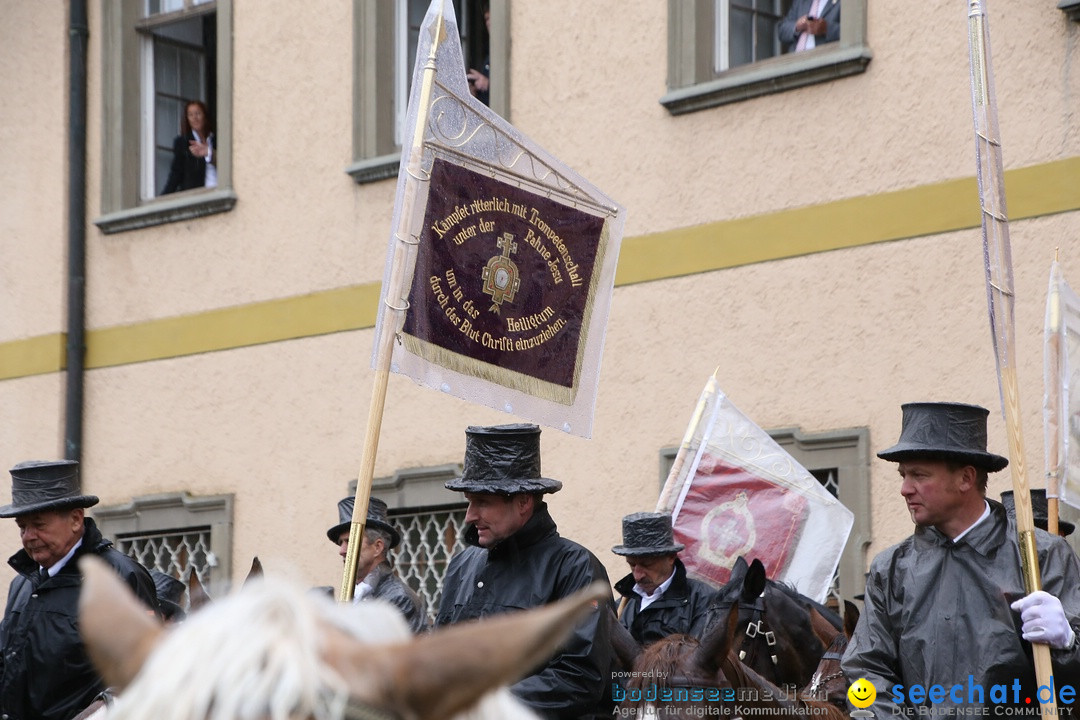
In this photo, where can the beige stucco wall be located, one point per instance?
(823, 341)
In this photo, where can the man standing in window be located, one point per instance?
(46, 672)
(379, 582)
(810, 23)
(660, 599)
(517, 560)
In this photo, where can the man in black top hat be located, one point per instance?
(516, 559)
(380, 582)
(660, 599)
(1039, 511)
(946, 607)
(46, 672)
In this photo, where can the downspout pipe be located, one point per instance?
(78, 35)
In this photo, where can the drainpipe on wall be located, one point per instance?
(78, 33)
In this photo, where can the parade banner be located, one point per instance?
(733, 491)
(501, 293)
(1061, 407)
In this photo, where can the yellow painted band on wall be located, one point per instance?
(925, 210)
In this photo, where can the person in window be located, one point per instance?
(193, 163)
(479, 80)
(45, 673)
(379, 582)
(810, 23)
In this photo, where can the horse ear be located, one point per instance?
(197, 595)
(256, 570)
(755, 581)
(119, 632)
(626, 647)
(851, 618)
(451, 669)
(716, 645)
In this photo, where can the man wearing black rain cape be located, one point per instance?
(516, 559)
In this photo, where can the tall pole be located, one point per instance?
(997, 256)
(396, 305)
(1054, 419)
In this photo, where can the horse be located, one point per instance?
(780, 634)
(274, 651)
(683, 677)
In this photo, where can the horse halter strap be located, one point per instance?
(358, 710)
(756, 627)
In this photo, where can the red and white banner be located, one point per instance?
(733, 491)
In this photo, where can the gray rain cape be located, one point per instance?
(937, 613)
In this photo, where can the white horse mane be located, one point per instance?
(258, 655)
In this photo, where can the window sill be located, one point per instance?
(179, 207)
(775, 75)
(1071, 8)
(383, 167)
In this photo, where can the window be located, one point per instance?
(840, 460)
(431, 520)
(157, 56)
(386, 35)
(175, 533)
(723, 51)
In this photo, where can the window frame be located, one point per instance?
(375, 155)
(122, 98)
(693, 84)
(176, 512)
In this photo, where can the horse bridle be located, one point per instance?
(756, 627)
(817, 682)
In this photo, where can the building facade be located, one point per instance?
(806, 224)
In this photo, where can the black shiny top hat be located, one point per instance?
(38, 485)
(945, 431)
(1038, 509)
(376, 520)
(647, 533)
(169, 590)
(503, 460)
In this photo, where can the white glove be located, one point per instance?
(1044, 620)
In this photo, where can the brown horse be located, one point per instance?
(682, 677)
(780, 634)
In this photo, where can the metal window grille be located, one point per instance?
(429, 538)
(173, 552)
(828, 478)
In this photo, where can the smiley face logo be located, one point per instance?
(862, 693)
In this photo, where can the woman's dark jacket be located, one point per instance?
(45, 670)
(534, 567)
(681, 609)
(187, 171)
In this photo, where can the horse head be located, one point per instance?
(780, 634)
(273, 650)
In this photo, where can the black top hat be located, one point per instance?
(38, 485)
(947, 431)
(376, 520)
(647, 533)
(503, 460)
(1038, 509)
(169, 590)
